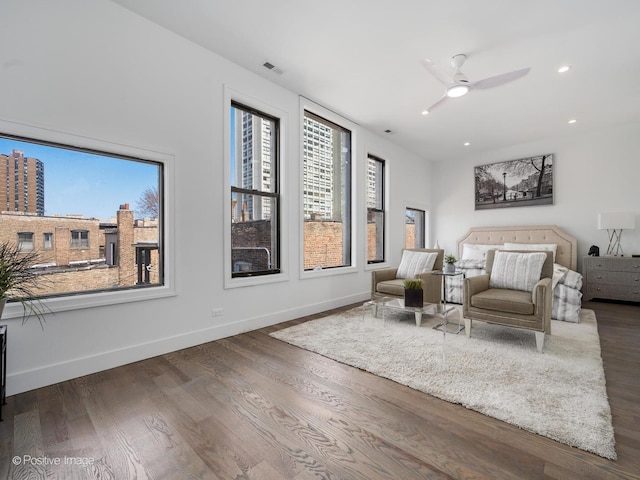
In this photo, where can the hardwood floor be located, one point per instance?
(252, 407)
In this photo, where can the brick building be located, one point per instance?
(82, 254)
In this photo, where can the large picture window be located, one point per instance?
(255, 234)
(375, 210)
(103, 210)
(326, 193)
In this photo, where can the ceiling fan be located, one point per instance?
(458, 84)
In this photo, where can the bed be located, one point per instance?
(567, 282)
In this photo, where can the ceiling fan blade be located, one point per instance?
(439, 102)
(437, 72)
(500, 79)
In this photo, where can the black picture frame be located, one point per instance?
(515, 183)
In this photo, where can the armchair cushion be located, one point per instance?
(394, 287)
(516, 270)
(414, 263)
(508, 301)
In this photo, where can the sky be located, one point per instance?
(84, 183)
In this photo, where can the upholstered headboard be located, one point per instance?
(566, 254)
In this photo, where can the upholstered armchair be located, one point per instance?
(516, 291)
(415, 263)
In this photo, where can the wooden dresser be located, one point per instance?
(612, 278)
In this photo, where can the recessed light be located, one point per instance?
(564, 68)
(425, 112)
(466, 144)
(573, 120)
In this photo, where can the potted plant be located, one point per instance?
(413, 296)
(18, 280)
(449, 263)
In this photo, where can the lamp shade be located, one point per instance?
(617, 221)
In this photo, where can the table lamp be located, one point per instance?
(614, 223)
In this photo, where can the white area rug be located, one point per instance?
(560, 394)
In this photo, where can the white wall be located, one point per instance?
(98, 73)
(594, 172)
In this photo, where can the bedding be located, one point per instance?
(533, 246)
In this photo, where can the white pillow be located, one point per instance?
(413, 263)
(472, 251)
(516, 271)
(533, 246)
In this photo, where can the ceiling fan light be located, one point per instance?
(457, 91)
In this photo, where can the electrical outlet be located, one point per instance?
(217, 312)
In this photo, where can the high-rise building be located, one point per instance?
(322, 177)
(254, 169)
(21, 183)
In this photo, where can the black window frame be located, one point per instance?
(274, 196)
(378, 210)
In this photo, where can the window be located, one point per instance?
(255, 198)
(375, 210)
(326, 193)
(76, 194)
(47, 240)
(415, 228)
(79, 239)
(25, 241)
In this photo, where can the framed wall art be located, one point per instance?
(515, 183)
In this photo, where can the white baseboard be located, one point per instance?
(23, 381)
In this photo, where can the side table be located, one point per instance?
(443, 325)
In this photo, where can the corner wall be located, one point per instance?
(594, 172)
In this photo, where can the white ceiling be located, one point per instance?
(362, 59)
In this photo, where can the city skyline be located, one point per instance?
(88, 184)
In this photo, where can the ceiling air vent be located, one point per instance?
(272, 67)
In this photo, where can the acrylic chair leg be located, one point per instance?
(467, 327)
